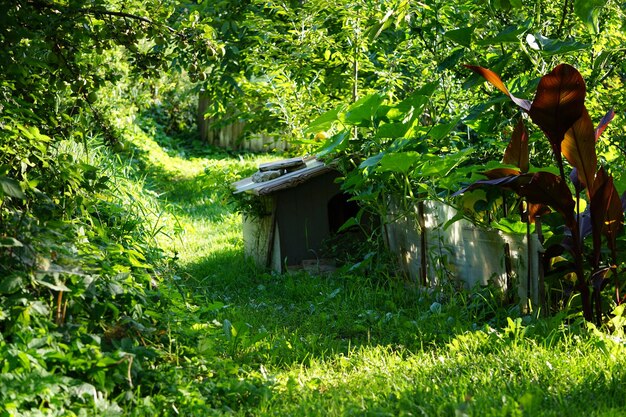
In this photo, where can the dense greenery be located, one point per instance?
(123, 288)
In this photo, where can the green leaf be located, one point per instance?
(10, 242)
(555, 47)
(399, 162)
(229, 330)
(56, 286)
(458, 216)
(451, 60)
(362, 111)
(372, 161)
(11, 283)
(507, 35)
(325, 121)
(11, 187)
(391, 130)
(335, 142)
(462, 36)
(589, 12)
(510, 226)
(442, 130)
(352, 221)
(441, 166)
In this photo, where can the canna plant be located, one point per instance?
(558, 109)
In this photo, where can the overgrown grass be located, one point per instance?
(246, 342)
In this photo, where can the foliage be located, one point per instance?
(286, 61)
(558, 108)
(81, 271)
(124, 290)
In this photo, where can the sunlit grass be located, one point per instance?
(249, 342)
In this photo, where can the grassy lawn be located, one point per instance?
(248, 342)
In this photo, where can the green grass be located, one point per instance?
(247, 342)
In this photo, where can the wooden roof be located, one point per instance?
(311, 167)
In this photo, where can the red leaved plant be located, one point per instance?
(558, 109)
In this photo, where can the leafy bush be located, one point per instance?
(558, 108)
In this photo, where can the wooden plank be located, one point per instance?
(288, 164)
(288, 180)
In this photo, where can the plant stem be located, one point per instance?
(563, 17)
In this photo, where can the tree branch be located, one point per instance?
(563, 16)
(97, 12)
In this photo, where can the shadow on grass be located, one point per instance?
(330, 329)
(315, 314)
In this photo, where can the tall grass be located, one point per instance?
(249, 342)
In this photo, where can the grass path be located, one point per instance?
(253, 343)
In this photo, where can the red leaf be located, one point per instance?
(494, 79)
(542, 188)
(558, 103)
(597, 209)
(549, 189)
(604, 123)
(516, 152)
(607, 216)
(495, 173)
(535, 210)
(579, 148)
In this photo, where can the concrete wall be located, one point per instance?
(463, 251)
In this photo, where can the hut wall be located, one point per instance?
(302, 218)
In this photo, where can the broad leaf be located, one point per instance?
(507, 182)
(496, 173)
(507, 35)
(392, 130)
(573, 177)
(11, 187)
(441, 166)
(11, 283)
(534, 210)
(579, 148)
(362, 111)
(335, 142)
(494, 79)
(549, 189)
(558, 104)
(372, 160)
(516, 152)
(462, 36)
(607, 215)
(325, 121)
(598, 278)
(604, 123)
(451, 60)
(10, 242)
(589, 12)
(398, 162)
(440, 131)
(554, 46)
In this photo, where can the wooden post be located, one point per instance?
(508, 267)
(540, 272)
(422, 225)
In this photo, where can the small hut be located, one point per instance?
(302, 205)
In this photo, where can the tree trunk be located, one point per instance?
(203, 123)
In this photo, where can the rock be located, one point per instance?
(265, 176)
